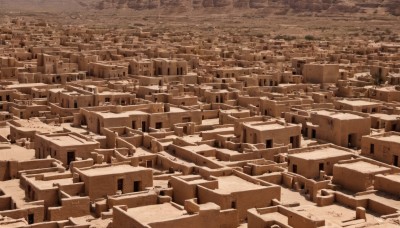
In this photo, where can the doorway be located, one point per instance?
(70, 157)
(294, 168)
(136, 186)
(120, 185)
(396, 160)
(351, 140)
(268, 143)
(321, 167)
(143, 126)
(31, 218)
(294, 140)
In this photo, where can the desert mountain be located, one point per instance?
(277, 6)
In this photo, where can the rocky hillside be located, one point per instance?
(277, 6)
(330, 6)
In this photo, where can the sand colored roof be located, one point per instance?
(16, 153)
(364, 167)
(175, 159)
(175, 109)
(387, 89)
(37, 125)
(229, 184)
(358, 102)
(321, 153)
(262, 127)
(199, 148)
(25, 85)
(235, 111)
(155, 213)
(391, 138)
(69, 140)
(228, 151)
(47, 184)
(12, 188)
(393, 177)
(112, 115)
(221, 129)
(384, 116)
(111, 170)
(338, 115)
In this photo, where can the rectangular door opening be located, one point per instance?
(136, 186)
(70, 157)
(321, 166)
(120, 184)
(31, 218)
(313, 134)
(268, 143)
(143, 126)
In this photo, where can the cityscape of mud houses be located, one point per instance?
(168, 121)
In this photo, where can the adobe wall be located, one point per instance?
(5, 202)
(386, 184)
(298, 220)
(383, 150)
(70, 207)
(354, 181)
(37, 211)
(166, 163)
(310, 168)
(95, 187)
(254, 199)
(133, 200)
(228, 218)
(4, 170)
(193, 157)
(207, 218)
(122, 220)
(74, 189)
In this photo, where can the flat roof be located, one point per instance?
(358, 102)
(220, 129)
(275, 216)
(228, 151)
(364, 167)
(16, 153)
(113, 115)
(232, 183)
(393, 177)
(155, 213)
(47, 184)
(68, 140)
(338, 115)
(321, 153)
(175, 109)
(390, 138)
(273, 126)
(199, 148)
(384, 116)
(111, 170)
(35, 124)
(24, 85)
(264, 126)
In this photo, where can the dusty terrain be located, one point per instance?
(198, 110)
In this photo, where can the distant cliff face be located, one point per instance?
(282, 6)
(338, 6)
